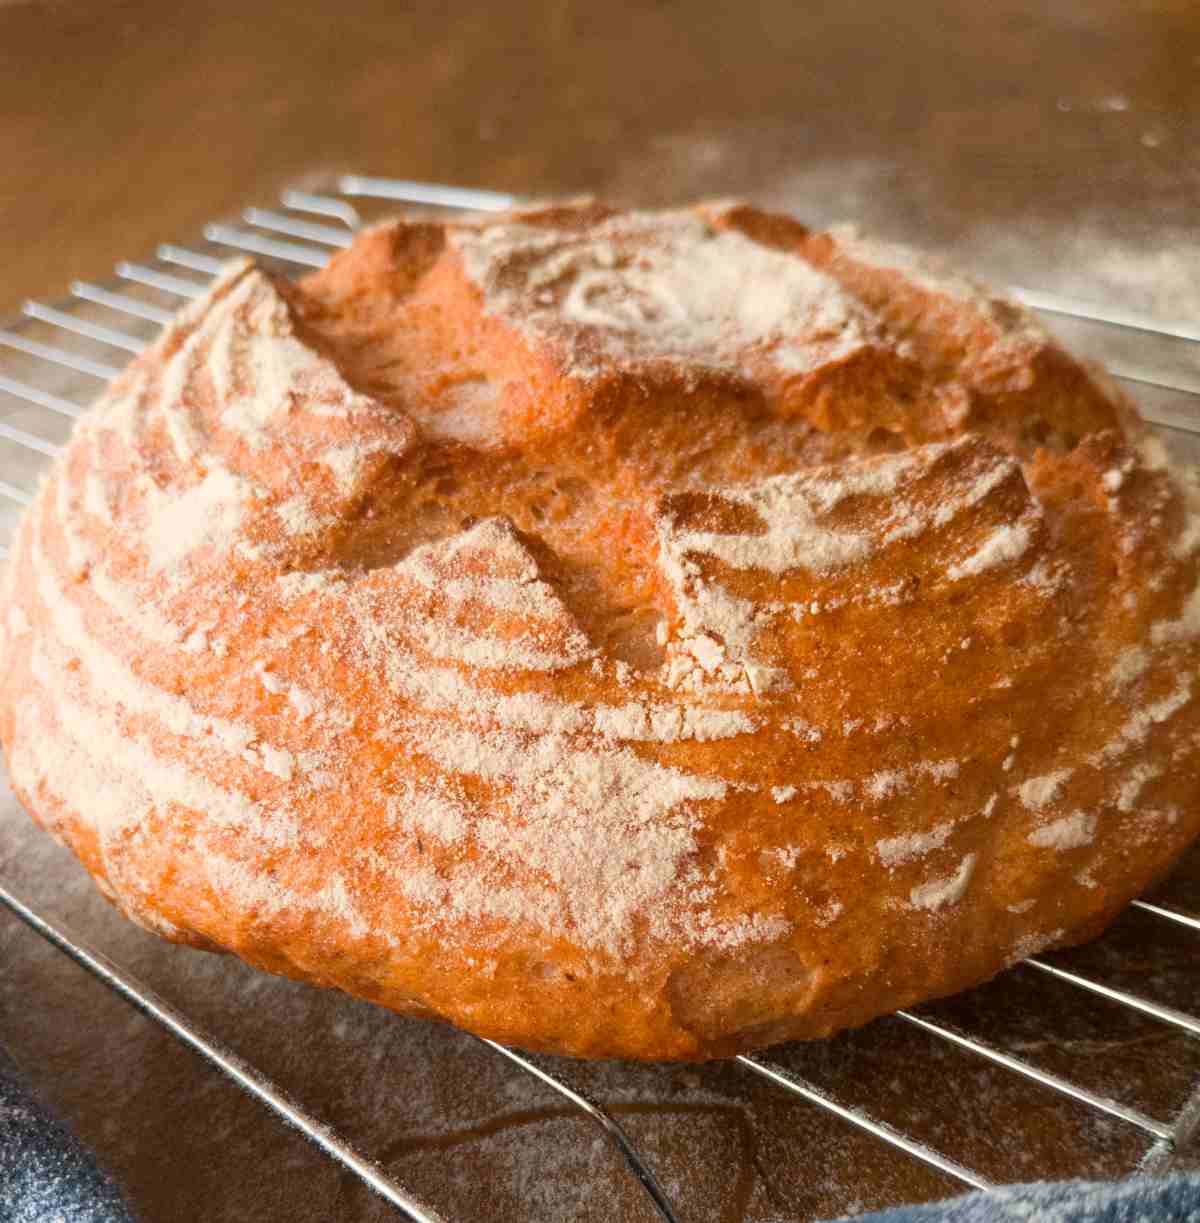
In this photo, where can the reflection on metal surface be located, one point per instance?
(438, 195)
(142, 275)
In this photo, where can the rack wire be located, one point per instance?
(300, 234)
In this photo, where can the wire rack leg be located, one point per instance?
(616, 1134)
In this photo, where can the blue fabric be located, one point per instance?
(1168, 1199)
(46, 1175)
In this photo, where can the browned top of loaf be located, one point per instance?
(637, 634)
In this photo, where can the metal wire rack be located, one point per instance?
(116, 319)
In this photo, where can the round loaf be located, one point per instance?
(648, 635)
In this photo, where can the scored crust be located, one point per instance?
(651, 635)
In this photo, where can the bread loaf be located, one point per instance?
(648, 635)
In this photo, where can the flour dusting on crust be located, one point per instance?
(375, 628)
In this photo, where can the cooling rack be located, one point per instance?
(52, 352)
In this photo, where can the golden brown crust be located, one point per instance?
(642, 635)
